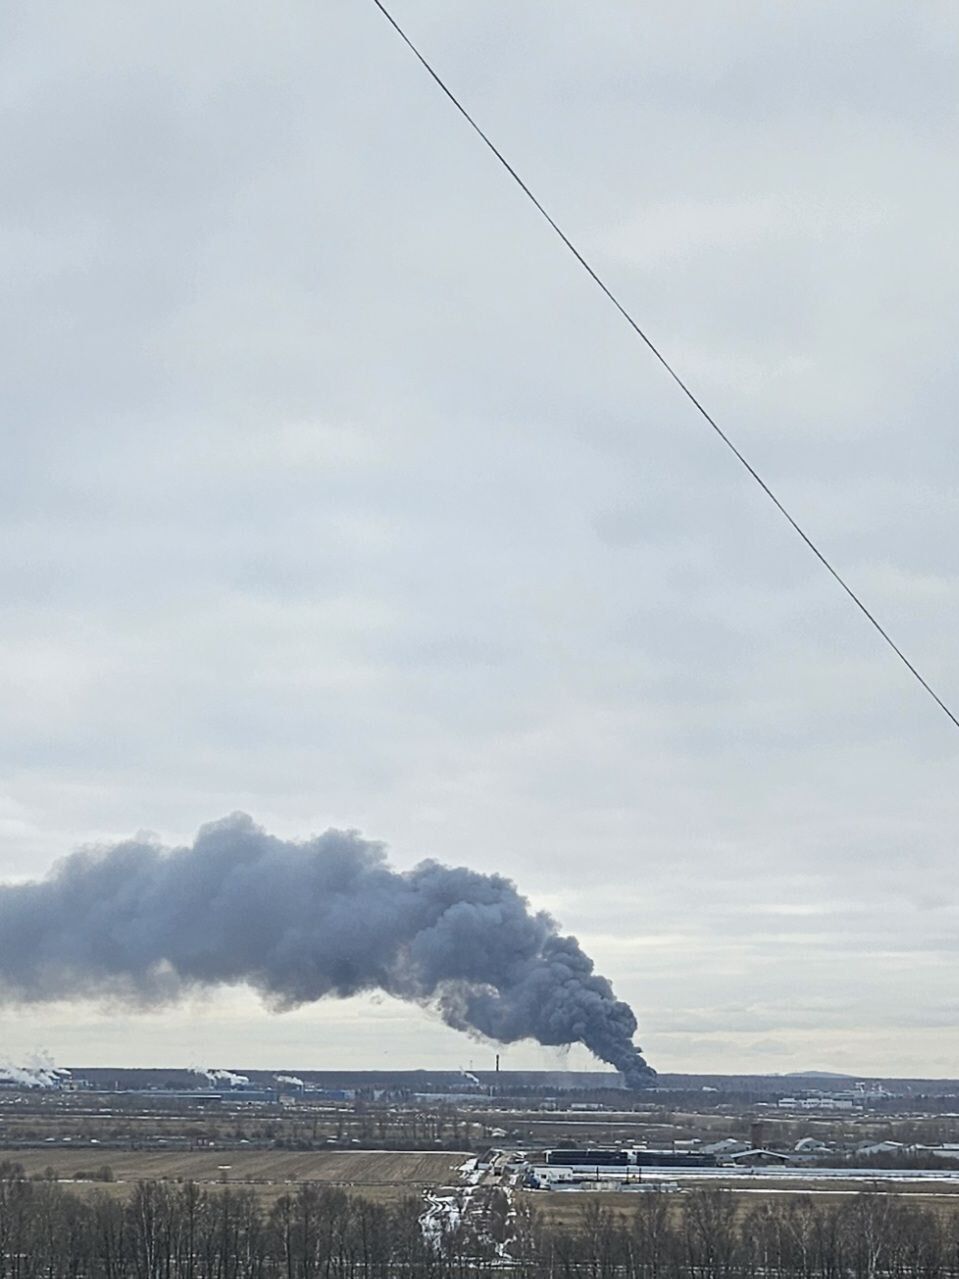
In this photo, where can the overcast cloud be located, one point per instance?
(334, 492)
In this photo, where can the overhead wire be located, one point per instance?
(663, 361)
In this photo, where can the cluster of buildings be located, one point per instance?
(859, 1097)
(617, 1169)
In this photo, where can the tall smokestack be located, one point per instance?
(303, 921)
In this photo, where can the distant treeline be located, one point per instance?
(169, 1231)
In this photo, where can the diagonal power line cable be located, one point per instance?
(655, 351)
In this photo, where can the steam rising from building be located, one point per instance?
(227, 1077)
(291, 1081)
(40, 1073)
(304, 921)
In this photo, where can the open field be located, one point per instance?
(383, 1174)
(567, 1208)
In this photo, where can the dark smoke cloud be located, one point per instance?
(301, 921)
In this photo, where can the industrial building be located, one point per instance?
(625, 1160)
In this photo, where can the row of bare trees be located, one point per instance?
(708, 1234)
(170, 1231)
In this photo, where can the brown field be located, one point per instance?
(381, 1174)
(566, 1208)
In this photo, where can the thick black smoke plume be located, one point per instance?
(300, 921)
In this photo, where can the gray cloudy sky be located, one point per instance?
(335, 493)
